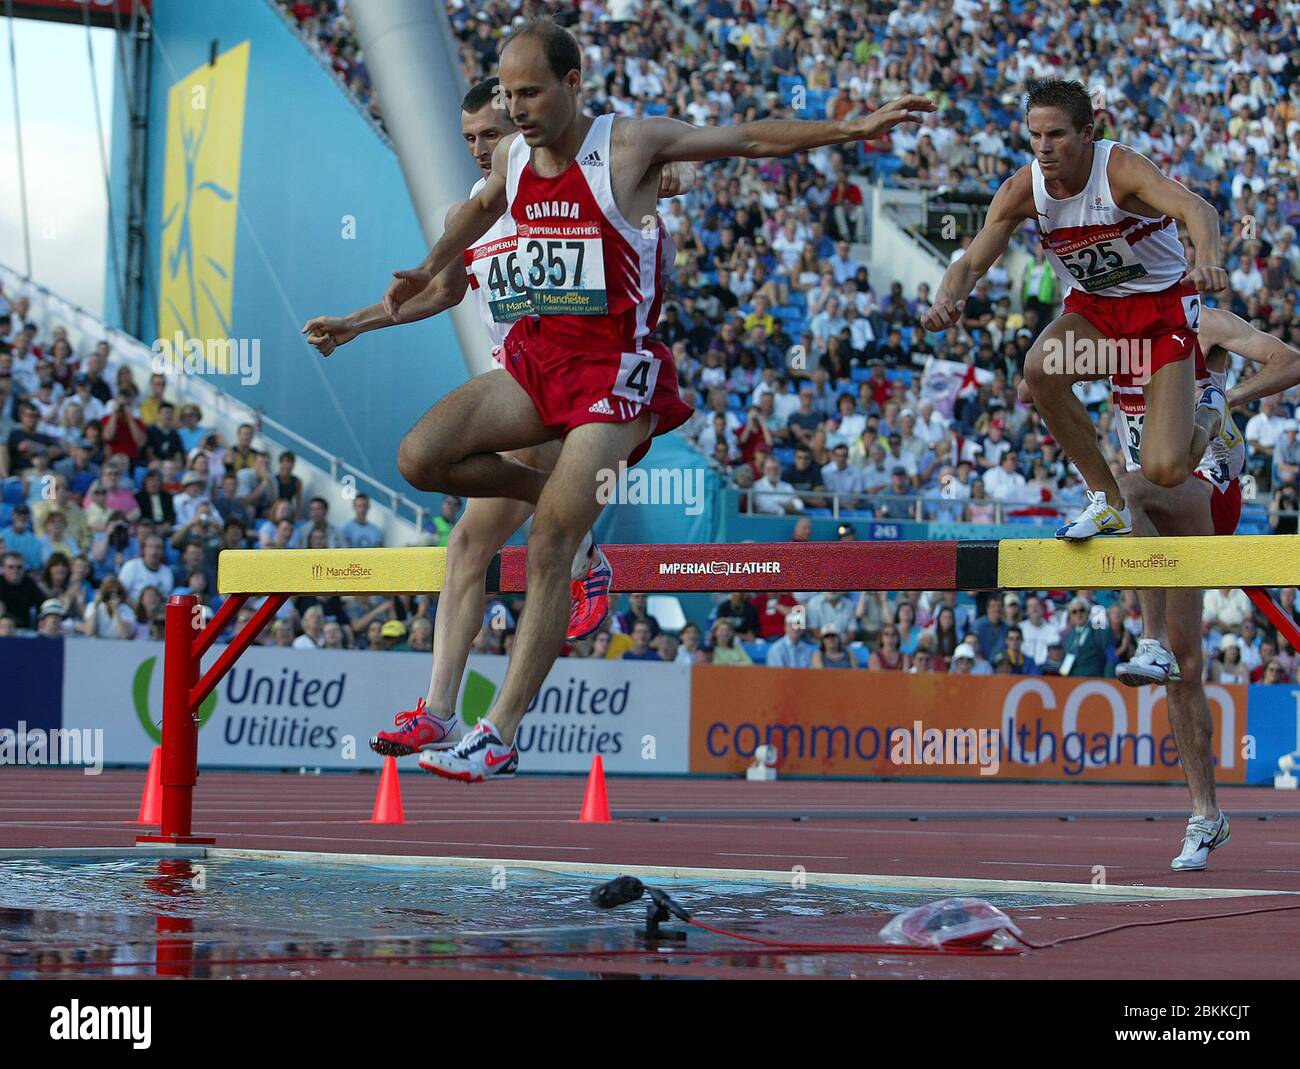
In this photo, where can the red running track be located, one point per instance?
(532, 819)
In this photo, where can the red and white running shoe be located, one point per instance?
(479, 756)
(589, 596)
(417, 730)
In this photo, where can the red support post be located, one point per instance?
(245, 637)
(1277, 615)
(180, 729)
(223, 617)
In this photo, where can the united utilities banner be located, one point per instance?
(853, 723)
(288, 708)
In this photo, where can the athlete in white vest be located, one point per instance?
(489, 266)
(1170, 650)
(1108, 223)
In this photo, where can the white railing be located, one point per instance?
(400, 518)
(849, 506)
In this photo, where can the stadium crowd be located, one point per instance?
(807, 374)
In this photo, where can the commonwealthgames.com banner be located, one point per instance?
(992, 727)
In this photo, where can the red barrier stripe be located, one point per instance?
(767, 566)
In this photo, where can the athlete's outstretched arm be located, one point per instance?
(1281, 369)
(1012, 205)
(327, 333)
(465, 225)
(665, 140)
(1132, 173)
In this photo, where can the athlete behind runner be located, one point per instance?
(581, 192)
(487, 523)
(1170, 651)
(1108, 220)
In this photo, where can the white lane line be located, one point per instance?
(810, 857)
(1114, 891)
(1047, 865)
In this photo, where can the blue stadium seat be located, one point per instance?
(887, 164)
(901, 374)
(905, 336)
(860, 374)
(13, 492)
(816, 101)
(757, 651)
(857, 514)
(797, 300)
(735, 402)
(816, 512)
(6, 515)
(785, 86)
(861, 653)
(656, 109)
(784, 455)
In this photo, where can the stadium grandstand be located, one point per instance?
(823, 413)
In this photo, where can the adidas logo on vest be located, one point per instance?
(591, 159)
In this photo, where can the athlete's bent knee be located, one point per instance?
(419, 467)
(1168, 473)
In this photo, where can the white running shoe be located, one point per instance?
(1100, 517)
(479, 756)
(1203, 835)
(1216, 400)
(1151, 664)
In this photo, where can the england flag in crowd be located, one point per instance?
(944, 381)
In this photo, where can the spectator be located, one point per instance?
(641, 650)
(1085, 645)
(636, 613)
(446, 519)
(49, 623)
(831, 652)
(790, 650)
(726, 650)
(148, 569)
(772, 495)
(739, 611)
(359, 532)
(288, 487)
(20, 595)
(1225, 609)
(313, 630)
(21, 539)
(109, 615)
(830, 609)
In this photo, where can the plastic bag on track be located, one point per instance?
(953, 922)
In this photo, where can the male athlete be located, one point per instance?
(487, 522)
(1108, 220)
(582, 193)
(1170, 650)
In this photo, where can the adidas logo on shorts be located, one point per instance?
(602, 408)
(591, 159)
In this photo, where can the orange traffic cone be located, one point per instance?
(388, 802)
(595, 807)
(151, 800)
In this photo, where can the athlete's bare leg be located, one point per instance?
(456, 446)
(1168, 424)
(473, 542)
(1173, 617)
(565, 512)
(1063, 412)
